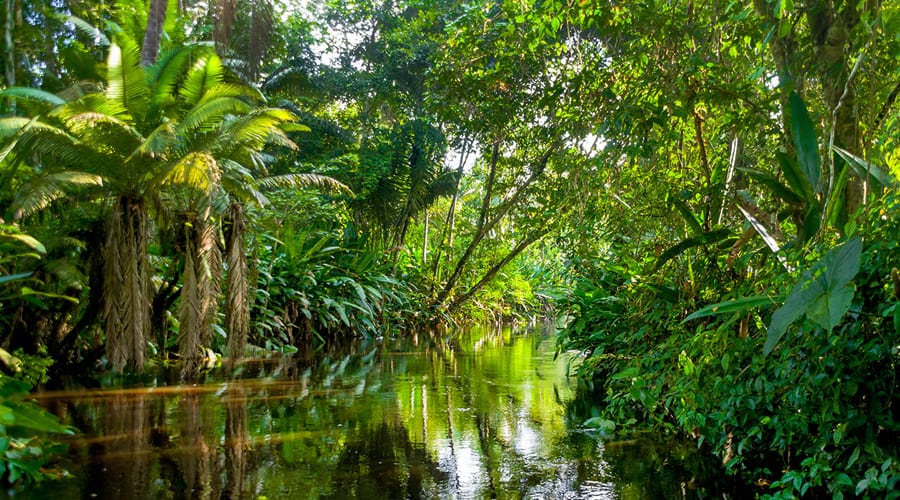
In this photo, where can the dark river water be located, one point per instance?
(486, 415)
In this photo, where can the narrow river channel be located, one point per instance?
(483, 416)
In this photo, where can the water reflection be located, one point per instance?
(481, 416)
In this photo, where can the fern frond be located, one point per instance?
(169, 71)
(257, 129)
(12, 125)
(233, 90)
(321, 182)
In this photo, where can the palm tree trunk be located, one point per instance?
(237, 288)
(197, 310)
(156, 18)
(127, 284)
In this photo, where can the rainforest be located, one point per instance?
(443, 248)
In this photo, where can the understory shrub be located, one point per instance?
(815, 416)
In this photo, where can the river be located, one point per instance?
(480, 415)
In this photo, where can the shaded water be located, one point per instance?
(480, 417)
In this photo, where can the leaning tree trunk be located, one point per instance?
(126, 289)
(199, 290)
(237, 287)
(156, 18)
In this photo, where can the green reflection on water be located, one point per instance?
(479, 416)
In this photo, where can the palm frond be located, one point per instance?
(197, 170)
(48, 99)
(299, 181)
(209, 115)
(12, 125)
(159, 141)
(169, 69)
(233, 90)
(206, 73)
(445, 184)
(256, 129)
(41, 191)
(87, 29)
(40, 142)
(127, 80)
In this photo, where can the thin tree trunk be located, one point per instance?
(451, 216)
(840, 96)
(707, 171)
(425, 242)
(156, 19)
(486, 225)
(9, 62)
(492, 272)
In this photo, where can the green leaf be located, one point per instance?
(600, 424)
(866, 169)
(14, 277)
(28, 240)
(796, 304)
(794, 176)
(688, 216)
(777, 188)
(700, 240)
(853, 457)
(805, 141)
(28, 291)
(730, 306)
(824, 294)
(812, 221)
(841, 264)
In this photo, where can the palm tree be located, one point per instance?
(155, 131)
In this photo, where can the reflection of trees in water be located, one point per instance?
(196, 454)
(125, 447)
(237, 443)
(380, 461)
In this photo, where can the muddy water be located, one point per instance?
(481, 416)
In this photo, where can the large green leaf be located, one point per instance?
(687, 215)
(802, 294)
(805, 141)
(730, 306)
(794, 176)
(823, 293)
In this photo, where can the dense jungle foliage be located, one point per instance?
(706, 196)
